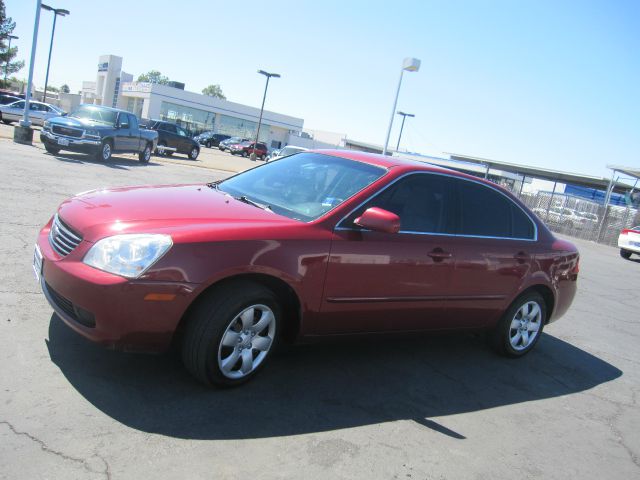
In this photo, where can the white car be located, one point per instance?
(285, 152)
(38, 112)
(566, 217)
(629, 241)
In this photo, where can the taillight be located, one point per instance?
(576, 269)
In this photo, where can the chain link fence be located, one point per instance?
(581, 218)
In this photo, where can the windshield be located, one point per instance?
(304, 186)
(95, 114)
(286, 151)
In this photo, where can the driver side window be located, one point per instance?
(123, 120)
(422, 201)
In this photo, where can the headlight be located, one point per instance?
(46, 125)
(92, 133)
(128, 255)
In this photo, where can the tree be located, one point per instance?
(153, 76)
(6, 28)
(214, 91)
(65, 88)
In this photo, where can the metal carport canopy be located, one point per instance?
(630, 171)
(589, 181)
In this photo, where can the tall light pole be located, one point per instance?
(23, 133)
(404, 116)
(264, 97)
(410, 65)
(56, 11)
(6, 65)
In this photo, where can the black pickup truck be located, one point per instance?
(98, 131)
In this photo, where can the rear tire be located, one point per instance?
(231, 333)
(145, 155)
(7, 122)
(626, 254)
(193, 154)
(208, 144)
(520, 327)
(245, 154)
(51, 150)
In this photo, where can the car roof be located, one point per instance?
(118, 110)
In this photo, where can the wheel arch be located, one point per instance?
(289, 300)
(547, 294)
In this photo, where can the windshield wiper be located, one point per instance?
(245, 199)
(215, 185)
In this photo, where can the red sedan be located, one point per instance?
(317, 244)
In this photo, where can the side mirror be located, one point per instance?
(379, 220)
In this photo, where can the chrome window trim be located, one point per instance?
(535, 225)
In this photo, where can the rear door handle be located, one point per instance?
(521, 257)
(439, 254)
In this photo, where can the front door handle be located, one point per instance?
(439, 254)
(521, 257)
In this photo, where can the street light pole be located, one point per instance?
(410, 65)
(264, 97)
(56, 11)
(404, 116)
(6, 65)
(25, 123)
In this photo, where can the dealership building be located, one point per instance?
(193, 111)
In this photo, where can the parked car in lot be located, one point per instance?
(38, 112)
(247, 148)
(629, 242)
(99, 131)
(210, 139)
(566, 217)
(314, 245)
(172, 139)
(225, 144)
(5, 99)
(285, 152)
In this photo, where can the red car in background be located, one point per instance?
(247, 148)
(317, 244)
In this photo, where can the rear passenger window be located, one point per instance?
(485, 212)
(133, 122)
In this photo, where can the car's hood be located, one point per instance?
(77, 122)
(179, 210)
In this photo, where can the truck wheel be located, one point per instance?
(160, 152)
(104, 154)
(193, 154)
(145, 155)
(51, 150)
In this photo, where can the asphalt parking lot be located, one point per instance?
(440, 407)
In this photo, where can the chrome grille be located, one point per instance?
(62, 239)
(67, 131)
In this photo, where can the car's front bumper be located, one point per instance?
(108, 309)
(82, 145)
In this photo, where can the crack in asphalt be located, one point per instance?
(45, 448)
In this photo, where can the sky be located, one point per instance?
(553, 84)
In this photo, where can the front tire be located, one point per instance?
(520, 327)
(51, 150)
(626, 254)
(145, 155)
(230, 334)
(245, 154)
(104, 154)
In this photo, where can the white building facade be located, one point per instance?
(193, 111)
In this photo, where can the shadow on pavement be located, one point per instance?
(119, 163)
(321, 387)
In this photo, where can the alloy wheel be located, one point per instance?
(525, 326)
(246, 341)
